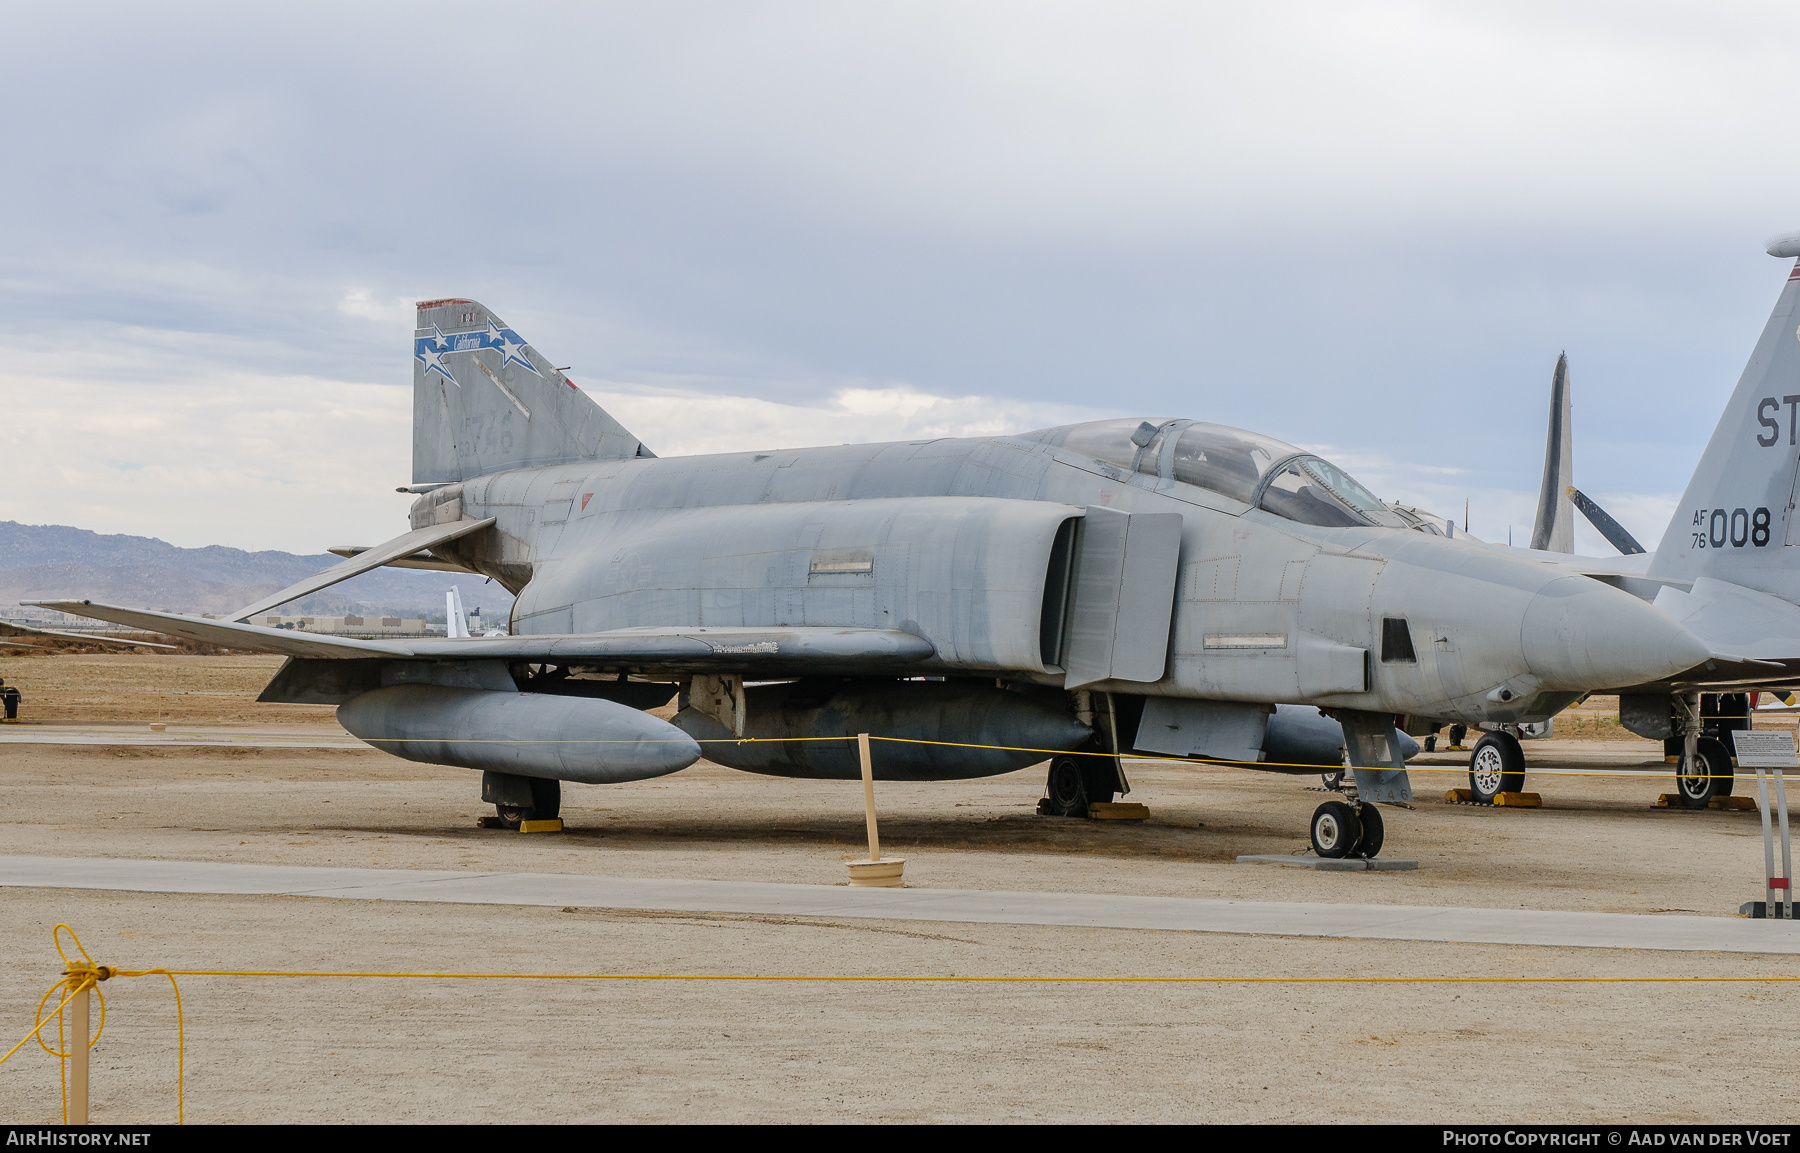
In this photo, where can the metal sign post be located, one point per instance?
(1771, 753)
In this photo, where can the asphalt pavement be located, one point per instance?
(1094, 910)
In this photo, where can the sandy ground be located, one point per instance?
(321, 1049)
(109, 688)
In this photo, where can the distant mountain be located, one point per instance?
(46, 562)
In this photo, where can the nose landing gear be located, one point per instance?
(1347, 828)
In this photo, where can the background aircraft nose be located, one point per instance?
(1579, 634)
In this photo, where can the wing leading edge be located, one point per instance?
(780, 651)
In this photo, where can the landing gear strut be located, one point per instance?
(517, 798)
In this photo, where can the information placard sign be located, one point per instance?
(1764, 750)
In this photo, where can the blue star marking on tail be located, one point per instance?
(431, 348)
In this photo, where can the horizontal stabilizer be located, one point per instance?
(1736, 623)
(418, 560)
(773, 652)
(362, 562)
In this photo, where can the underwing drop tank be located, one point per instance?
(582, 739)
(808, 729)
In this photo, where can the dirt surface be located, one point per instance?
(1598, 844)
(113, 688)
(320, 1049)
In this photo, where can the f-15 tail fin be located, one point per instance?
(1737, 520)
(485, 401)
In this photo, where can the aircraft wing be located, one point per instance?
(255, 638)
(772, 652)
(35, 631)
(754, 651)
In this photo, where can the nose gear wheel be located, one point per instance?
(1336, 831)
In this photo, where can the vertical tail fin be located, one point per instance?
(1736, 521)
(456, 622)
(1554, 530)
(485, 401)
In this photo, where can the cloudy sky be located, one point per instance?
(1367, 228)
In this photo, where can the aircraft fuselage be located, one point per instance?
(957, 540)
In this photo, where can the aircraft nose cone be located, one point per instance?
(1579, 634)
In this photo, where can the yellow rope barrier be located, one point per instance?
(351, 742)
(79, 977)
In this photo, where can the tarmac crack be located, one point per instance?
(712, 919)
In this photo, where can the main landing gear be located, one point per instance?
(1707, 775)
(1496, 766)
(1346, 828)
(517, 798)
(1075, 783)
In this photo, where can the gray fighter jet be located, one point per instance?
(1165, 587)
(1722, 568)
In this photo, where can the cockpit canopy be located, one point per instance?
(1256, 470)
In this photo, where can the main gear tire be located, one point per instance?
(1496, 766)
(1711, 775)
(1373, 832)
(1066, 789)
(545, 803)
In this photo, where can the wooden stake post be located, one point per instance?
(868, 776)
(878, 871)
(78, 1057)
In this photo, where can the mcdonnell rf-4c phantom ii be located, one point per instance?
(1163, 587)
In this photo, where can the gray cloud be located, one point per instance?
(1368, 225)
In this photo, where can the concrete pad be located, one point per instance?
(1328, 864)
(1182, 914)
(1303, 861)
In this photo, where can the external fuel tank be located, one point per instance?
(808, 729)
(562, 738)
